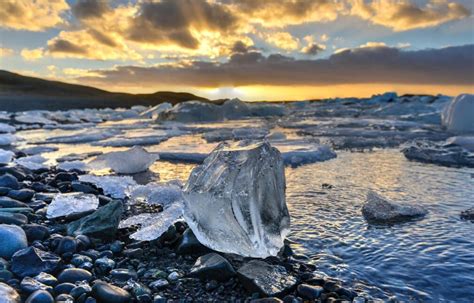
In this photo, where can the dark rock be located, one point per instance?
(103, 200)
(104, 265)
(12, 239)
(44, 197)
(107, 293)
(31, 261)
(46, 279)
(66, 245)
(468, 214)
(83, 242)
(10, 181)
(212, 267)
(73, 275)
(268, 280)
(4, 264)
(123, 274)
(80, 259)
(40, 296)
(64, 298)
(5, 275)
(80, 289)
(133, 252)
(106, 253)
(140, 291)
(35, 232)
(20, 173)
(4, 190)
(189, 244)
(63, 176)
(116, 247)
(309, 292)
(64, 288)
(13, 218)
(29, 285)
(91, 253)
(24, 195)
(8, 294)
(346, 293)
(103, 223)
(267, 300)
(7, 202)
(83, 187)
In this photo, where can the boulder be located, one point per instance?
(102, 223)
(268, 280)
(12, 239)
(468, 214)
(212, 267)
(235, 201)
(380, 210)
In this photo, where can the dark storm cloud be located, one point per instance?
(313, 49)
(171, 21)
(64, 46)
(85, 9)
(452, 65)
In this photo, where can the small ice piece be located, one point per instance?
(71, 203)
(6, 156)
(6, 128)
(84, 136)
(458, 114)
(131, 161)
(161, 222)
(73, 165)
(115, 186)
(235, 200)
(466, 142)
(125, 142)
(35, 150)
(7, 139)
(156, 193)
(156, 110)
(380, 210)
(33, 117)
(35, 162)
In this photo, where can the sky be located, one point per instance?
(252, 50)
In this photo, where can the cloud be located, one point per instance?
(405, 15)
(373, 44)
(5, 52)
(85, 9)
(32, 54)
(446, 66)
(282, 40)
(66, 47)
(30, 15)
(313, 49)
(177, 21)
(280, 13)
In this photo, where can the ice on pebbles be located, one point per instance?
(131, 161)
(115, 186)
(156, 193)
(458, 115)
(35, 162)
(73, 165)
(7, 139)
(235, 200)
(71, 203)
(6, 156)
(6, 128)
(156, 225)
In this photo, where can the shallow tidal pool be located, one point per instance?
(429, 260)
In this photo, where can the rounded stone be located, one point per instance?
(123, 274)
(12, 239)
(8, 294)
(64, 288)
(35, 232)
(107, 293)
(10, 181)
(13, 218)
(73, 275)
(309, 292)
(40, 296)
(66, 245)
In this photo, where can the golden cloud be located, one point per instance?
(283, 40)
(405, 15)
(30, 15)
(5, 52)
(32, 54)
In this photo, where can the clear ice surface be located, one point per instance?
(115, 186)
(7, 139)
(131, 161)
(71, 203)
(32, 162)
(156, 193)
(235, 200)
(6, 128)
(6, 156)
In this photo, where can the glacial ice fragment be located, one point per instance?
(458, 114)
(6, 156)
(6, 128)
(33, 162)
(71, 203)
(235, 200)
(133, 160)
(156, 193)
(115, 186)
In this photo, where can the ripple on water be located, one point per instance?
(427, 260)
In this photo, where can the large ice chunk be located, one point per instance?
(71, 203)
(458, 116)
(156, 193)
(235, 200)
(131, 161)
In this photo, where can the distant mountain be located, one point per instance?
(20, 93)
